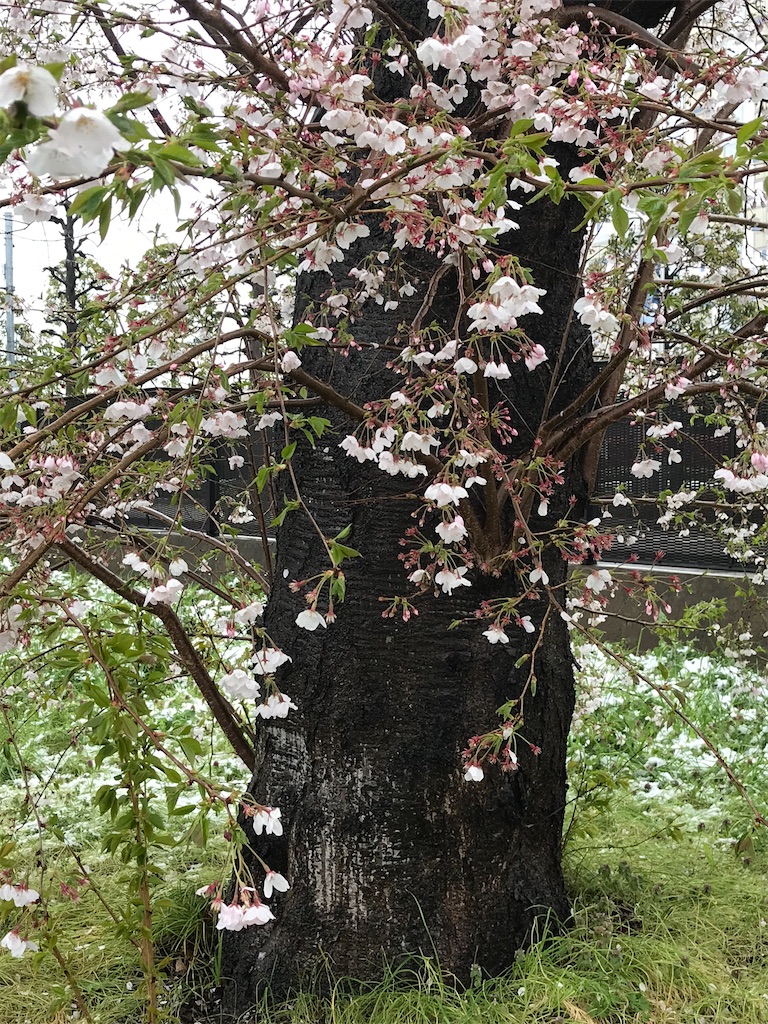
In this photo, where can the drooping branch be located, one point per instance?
(214, 542)
(119, 51)
(590, 455)
(221, 709)
(687, 14)
(25, 565)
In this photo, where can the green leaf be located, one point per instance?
(190, 746)
(163, 170)
(300, 335)
(105, 216)
(130, 101)
(620, 219)
(5, 852)
(592, 182)
(687, 216)
(340, 551)
(30, 413)
(8, 417)
(654, 207)
(17, 138)
(204, 137)
(318, 424)
(87, 205)
(520, 127)
(338, 587)
(679, 694)
(748, 131)
(175, 151)
(55, 68)
(745, 846)
(735, 200)
(129, 127)
(592, 204)
(496, 189)
(262, 477)
(290, 506)
(136, 198)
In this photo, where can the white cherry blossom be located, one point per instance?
(452, 531)
(495, 634)
(592, 315)
(536, 356)
(290, 361)
(450, 579)
(165, 593)
(36, 208)
(355, 450)
(275, 882)
(445, 494)
(268, 660)
(240, 684)
(258, 913)
(17, 946)
(310, 619)
(415, 442)
(81, 146)
(498, 371)
(268, 820)
(465, 365)
(249, 614)
(645, 468)
(231, 918)
(19, 895)
(34, 86)
(277, 705)
(597, 580)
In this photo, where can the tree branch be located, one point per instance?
(586, 16)
(220, 707)
(215, 20)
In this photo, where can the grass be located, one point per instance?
(668, 883)
(665, 930)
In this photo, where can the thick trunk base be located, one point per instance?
(388, 850)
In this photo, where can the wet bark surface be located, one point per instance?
(388, 851)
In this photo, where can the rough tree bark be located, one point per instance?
(388, 850)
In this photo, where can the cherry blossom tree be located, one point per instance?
(426, 256)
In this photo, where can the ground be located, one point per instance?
(667, 879)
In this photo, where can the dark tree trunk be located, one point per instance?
(388, 850)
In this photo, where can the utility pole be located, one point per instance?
(10, 330)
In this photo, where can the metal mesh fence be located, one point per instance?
(209, 507)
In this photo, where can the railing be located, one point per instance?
(701, 454)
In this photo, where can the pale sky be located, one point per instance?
(41, 245)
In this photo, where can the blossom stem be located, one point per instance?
(77, 994)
